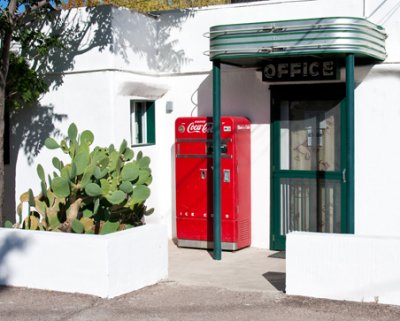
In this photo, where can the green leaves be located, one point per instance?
(87, 137)
(116, 197)
(60, 187)
(50, 143)
(141, 193)
(109, 227)
(72, 132)
(130, 172)
(40, 172)
(126, 187)
(77, 226)
(92, 189)
(81, 161)
(24, 82)
(144, 162)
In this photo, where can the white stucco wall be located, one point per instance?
(343, 267)
(376, 157)
(163, 59)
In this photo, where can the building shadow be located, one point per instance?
(278, 255)
(277, 280)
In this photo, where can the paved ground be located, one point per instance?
(248, 269)
(243, 286)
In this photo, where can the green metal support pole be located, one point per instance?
(350, 86)
(217, 157)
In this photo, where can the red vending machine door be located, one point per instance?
(193, 179)
(235, 183)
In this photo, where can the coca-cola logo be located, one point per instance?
(205, 128)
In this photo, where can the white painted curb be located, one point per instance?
(101, 265)
(343, 267)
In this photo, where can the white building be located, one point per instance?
(123, 58)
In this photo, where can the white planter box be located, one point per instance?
(343, 267)
(101, 265)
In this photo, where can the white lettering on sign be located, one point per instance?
(205, 128)
(283, 69)
(328, 68)
(300, 70)
(295, 69)
(243, 127)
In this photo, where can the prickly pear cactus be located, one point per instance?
(99, 191)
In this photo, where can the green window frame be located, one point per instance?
(142, 122)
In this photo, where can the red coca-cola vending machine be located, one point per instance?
(194, 182)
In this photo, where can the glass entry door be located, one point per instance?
(308, 174)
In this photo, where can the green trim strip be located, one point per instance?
(305, 39)
(315, 33)
(308, 174)
(296, 21)
(232, 57)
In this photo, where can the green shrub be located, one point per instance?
(99, 191)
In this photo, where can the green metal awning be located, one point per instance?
(250, 44)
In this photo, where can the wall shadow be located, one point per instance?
(168, 58)
(29, 128)
(107, 28)
(8, 245)
(251, 101)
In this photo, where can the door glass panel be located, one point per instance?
(309, 135)
(311, 205)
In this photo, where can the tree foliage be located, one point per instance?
(24, 85)
(146, 5)
(19, 84)
(20, 34)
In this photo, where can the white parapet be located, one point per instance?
(101, 265)
(343, 267)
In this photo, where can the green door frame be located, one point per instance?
(349, 150)
(318, 91)
(350, 141)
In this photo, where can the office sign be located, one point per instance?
(300, 70)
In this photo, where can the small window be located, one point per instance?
(143, 122)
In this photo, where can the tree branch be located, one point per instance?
(5, 56)
(35, 7)
(11, 8)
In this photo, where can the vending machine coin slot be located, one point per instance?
(203, 173)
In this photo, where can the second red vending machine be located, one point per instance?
(194, 182)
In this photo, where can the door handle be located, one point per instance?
(344, 175)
